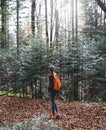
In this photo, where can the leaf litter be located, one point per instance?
(75, 115)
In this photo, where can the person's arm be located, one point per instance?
(51, 82)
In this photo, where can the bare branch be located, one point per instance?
(101, 5)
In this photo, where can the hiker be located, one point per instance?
(53, 92)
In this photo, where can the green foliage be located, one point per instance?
(27, 73)
(18, 126)
(22, 127)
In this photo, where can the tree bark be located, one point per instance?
(39, 29)
(57, 26)
(3, 23)
(17, 35)
(46, 21)
(33, 6)
(51, 28)
(76, 20)
(72, 20)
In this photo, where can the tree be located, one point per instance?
(33, 7)
(57, 26)
(46, 21)
(17, 35)
(3, 23)
(51, 22)
(93, 19)
(102, 5)
(73, 20)
(76, 20)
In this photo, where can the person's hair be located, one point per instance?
(51, 69)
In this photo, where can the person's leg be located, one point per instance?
(57, 115)
(54, 106)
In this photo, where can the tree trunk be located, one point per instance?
(3, 23)
(46, 21)
(96, 14)
(104, 16)
(33, 7)
(32, 89)
(51, 28)
(76, 20)
(17, 35)
(38, 20)
(72, 20)
(57, 26)
(40, 90)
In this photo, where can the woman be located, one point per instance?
(53, 93)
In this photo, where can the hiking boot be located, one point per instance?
(58, 116)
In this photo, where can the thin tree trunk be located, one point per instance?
(96, 15)
(33, 7)
(35, 90)
(40, 90)
(51, 22)
(104, 15)
(7, 26)
(32, 89)
(57, 26)
(67, 34)
(101, 17)
(3, 23)
(17, 35)
(46, 21)
(72, 20)
(76, 20)
(38, 20)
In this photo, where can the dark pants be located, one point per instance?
(54, 106)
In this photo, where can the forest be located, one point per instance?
(71, 36)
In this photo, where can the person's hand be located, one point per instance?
(48, 88)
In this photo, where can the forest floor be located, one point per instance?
(75, 115)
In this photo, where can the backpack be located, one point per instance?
(57, 82)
